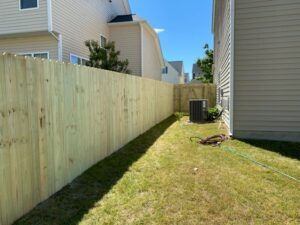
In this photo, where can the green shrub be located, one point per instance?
(213, 114)
(179, 115)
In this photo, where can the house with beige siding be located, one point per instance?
(57, 29)
(256, 67)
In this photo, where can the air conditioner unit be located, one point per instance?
(198, 110)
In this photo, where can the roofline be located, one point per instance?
(127, 6)
(157, 41)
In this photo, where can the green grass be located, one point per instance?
(164, 178)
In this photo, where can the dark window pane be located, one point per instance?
(84, 61)
(41, 55)
(103, 42)
(27, 4)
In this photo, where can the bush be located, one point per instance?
(179, 115)
(213, 114)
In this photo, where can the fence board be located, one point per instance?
(58, 119)
(184, 92)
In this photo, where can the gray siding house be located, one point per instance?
(257, 67)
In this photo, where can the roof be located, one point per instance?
(178, 65)
(126, 18)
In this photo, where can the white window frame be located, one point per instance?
(100, 40)
(33, 53)
(38, 6)
(81, 58)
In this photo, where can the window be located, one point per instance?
(165, 70)
(74, 59)
(43, 55)
(29, 4)
(102, 41)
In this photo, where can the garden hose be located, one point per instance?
(233, 151)
(217, 140)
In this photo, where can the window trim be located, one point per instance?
(101, 35)
(81, 58)
(34, 8)
(33, 53)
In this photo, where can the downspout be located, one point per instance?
(49, 12)
(50, 29)
(142, 49)
(232, 67)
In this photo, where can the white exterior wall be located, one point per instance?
(128, 42)
(151, 55)
(13, 20)
(267, 71)
(78, 21)
(28, 44)
(222, 56)
(172, 76)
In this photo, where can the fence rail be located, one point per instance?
(58, 119)
(184, 92)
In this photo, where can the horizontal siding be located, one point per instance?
(79, 21)
(128, 42)
(172, 76)
(151, 56)
(222, 56)
(267, 69)
(13, 20)
(44, 43)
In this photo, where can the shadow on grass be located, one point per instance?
(69, 205)
(287, 149)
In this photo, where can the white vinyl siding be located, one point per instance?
(29, 44)
(128, 42)
(151, 56)
(222, 57)
(79, 21)
(172, 76)
(267, 71)
(13, 20)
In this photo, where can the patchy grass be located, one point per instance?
(164, 178)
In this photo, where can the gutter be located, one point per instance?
(142, 48)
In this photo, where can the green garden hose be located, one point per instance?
(216, 143)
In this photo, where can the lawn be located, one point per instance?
(163, 177)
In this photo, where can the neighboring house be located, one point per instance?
(170, 74)
(139, 43)
(57, 29)
(186, 78)
(179, 67)
(257, 67)
(197, 72)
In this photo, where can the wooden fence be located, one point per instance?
(58, 119)
(184, 92)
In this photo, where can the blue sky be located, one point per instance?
(186, 25)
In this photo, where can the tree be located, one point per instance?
(206, 64)
(106, 58)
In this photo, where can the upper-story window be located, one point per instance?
(103, 41)
(29, 4)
